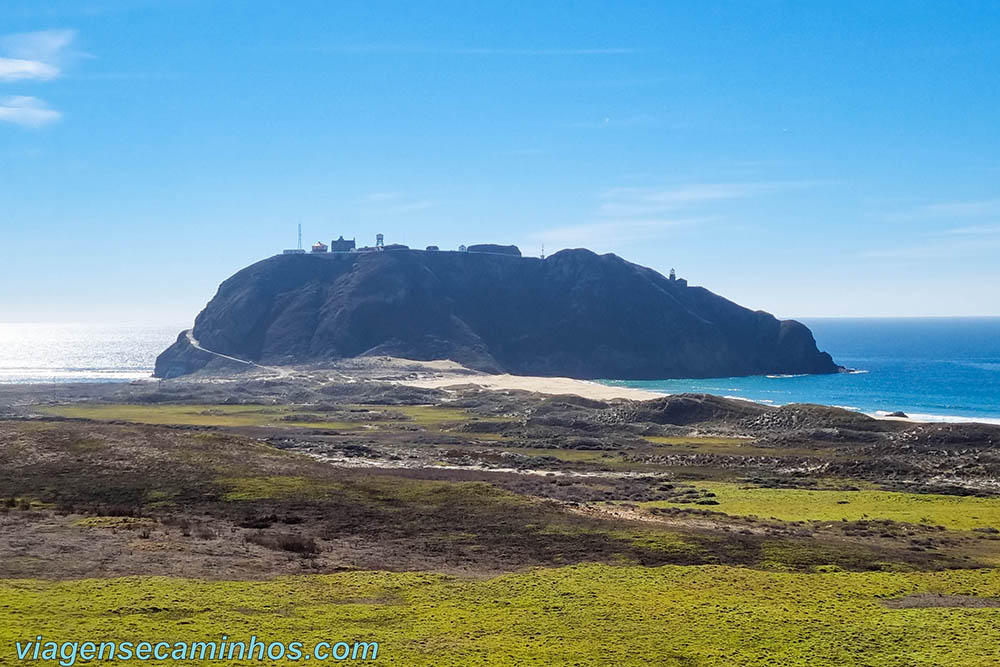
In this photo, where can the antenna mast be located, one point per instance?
(300, 236)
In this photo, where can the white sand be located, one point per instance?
(542, 385)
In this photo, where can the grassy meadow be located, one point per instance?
(252, 415)
(115, 526)
(952, 512)
(580, 615)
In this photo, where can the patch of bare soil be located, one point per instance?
(931, 600)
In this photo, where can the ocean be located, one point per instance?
(944, 369)
(38, 353)
(933, 369)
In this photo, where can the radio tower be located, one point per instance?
(300, 236)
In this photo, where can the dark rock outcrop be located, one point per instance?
(184, 358)
(684, 409)
(573, 314)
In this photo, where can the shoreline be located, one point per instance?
(445, 374)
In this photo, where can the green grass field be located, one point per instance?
(541, 582)
(190, 415)
(247, 415)
(582, 615)
(953, 512)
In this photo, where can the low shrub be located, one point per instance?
(284, 542)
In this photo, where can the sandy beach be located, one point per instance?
(542, 385)
(444, 374)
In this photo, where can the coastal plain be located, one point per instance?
(462, 524)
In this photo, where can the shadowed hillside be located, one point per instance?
(575, 314)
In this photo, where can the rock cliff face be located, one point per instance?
(574, 314)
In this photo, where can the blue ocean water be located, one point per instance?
(37, 353)
(944, 369)
(931, 368)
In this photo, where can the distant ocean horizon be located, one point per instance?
(933, 369)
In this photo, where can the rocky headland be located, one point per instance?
(573, 314)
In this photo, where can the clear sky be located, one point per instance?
(806, 158)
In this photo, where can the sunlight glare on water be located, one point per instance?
(35, 353)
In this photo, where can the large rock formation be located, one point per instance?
(573, 314)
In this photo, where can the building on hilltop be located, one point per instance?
(349, 245)
(319, 246)
(379, 245)
(342, 245)
(495, 249)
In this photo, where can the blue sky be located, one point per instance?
(806, 159)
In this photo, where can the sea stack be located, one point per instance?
(574, 314)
